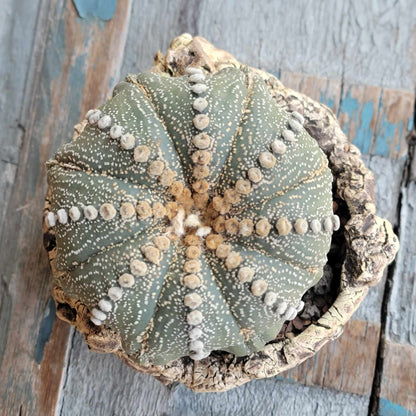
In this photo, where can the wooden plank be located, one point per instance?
(323, 90)
(401, 316)
(377, 120)
(362, 42)
(18, 25)
(94, 387)
(394, 123)
(398, 387)
(69, 64)
(346, 364)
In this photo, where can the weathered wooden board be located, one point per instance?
(101, 384)
(347, 364)
(324, 90)
(69, 65)
(398, 385)
(18, 25)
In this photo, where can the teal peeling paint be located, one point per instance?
(385, 137)
(361, 116)
(76, 83)
(101, 9)
(387, 408)
(45, 329)
(329, 102)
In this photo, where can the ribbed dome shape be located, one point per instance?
(191, 214)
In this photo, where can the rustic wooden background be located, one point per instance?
(357, 57)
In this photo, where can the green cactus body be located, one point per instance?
(191, 214)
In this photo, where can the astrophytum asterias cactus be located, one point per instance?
(191, 214)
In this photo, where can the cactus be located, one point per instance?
(191, 214)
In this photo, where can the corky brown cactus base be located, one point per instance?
(366, 242)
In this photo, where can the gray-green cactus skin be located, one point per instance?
(238, 179)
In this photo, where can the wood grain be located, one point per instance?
(63, 71)
(347, 364)
(398, 387)
(323, 90)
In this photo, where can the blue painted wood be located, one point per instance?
(101, 9)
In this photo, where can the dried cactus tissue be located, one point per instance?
(191, 213)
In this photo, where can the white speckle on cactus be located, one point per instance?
(233, 260)
(191, 281)
(290, 313)
(201, 121)
(258, 287)
(192, 221)
(203, 231)
(127, 141)
(243, 186)
(283, 226)
(201, 141)
(278, 147)
(200, 104)
(94, 117)
(194, 318)
(295, 126)
(138, 267)
(152, 254)
(105, 305)
(288, 135)
(336, 222)
(255, 175)
(245, 274)
(246, 227)
(96, 313)
(263, 227)
(141, 154)
(270, 298)
(162, 242)
(199, 88)
(197, 78)
(192, 300)
(192, 70)
(90, 212)
(267, 160)
(127, 210)
(316, 226)
(126, 280)
(301, 226)
(156, 168)
(107, 211)
(223, 250)
(195, 333)
(281, 308)
(104, 122)
(115, 293)
(328, 224)
(62, 216)
(96, 321)
(300, 306)
(74, 213)
(192, 266)
(116, 131)
(143, 210)
(50, 219)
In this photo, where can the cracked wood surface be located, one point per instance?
(352, 48)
